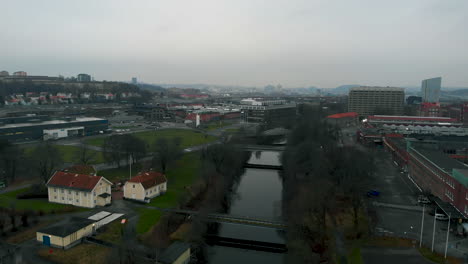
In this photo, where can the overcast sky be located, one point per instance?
(240, 42)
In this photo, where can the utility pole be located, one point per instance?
(130, 163)
(433, 232)
(446, 240)
(422, 226)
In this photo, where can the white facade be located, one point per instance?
(81, 198)
(136, 191)
(62, 132)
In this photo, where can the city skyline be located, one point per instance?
(242, 43)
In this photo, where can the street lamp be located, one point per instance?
(446, 240)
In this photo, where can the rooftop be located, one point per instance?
(461, 175)
(377, 88)
(53, 122)
(66, 227)
(83, 182)
(441, 160)
(342, 115)
(173, 252)
(149, 179)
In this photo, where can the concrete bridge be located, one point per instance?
(261, 148)
(225, 218)
(263, 166)
(245, 244)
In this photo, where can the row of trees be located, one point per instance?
(123, 149)
(322, 182)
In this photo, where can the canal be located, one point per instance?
(258, 195)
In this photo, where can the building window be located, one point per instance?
(55, 189)
(62, 191)
(55, 197)
(94, 201)
(63, 198)
(76, 193)
(77, 201)
(133, 185)
(84, 194)
(100, 183)
(69, 192)
(94, 193)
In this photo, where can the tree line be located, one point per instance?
(323, 183)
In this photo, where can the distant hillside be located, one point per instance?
(343, 89)
(307, 90)
(459, 92)
(151, 87)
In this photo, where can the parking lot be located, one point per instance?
(399, 214)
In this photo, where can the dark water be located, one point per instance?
(258, 195)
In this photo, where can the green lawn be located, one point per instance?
(216, 125)
(112, 232)
(189, 137)
(178, 176)
(355, 257)
(8, 199)
(147, 219)
(69, 154)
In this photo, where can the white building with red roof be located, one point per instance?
(82, 190)
(145, 185)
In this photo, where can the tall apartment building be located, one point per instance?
(376, 100)
(83, 77)
(430, 90)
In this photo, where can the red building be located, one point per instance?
(397, 147)
(349, 118)
(430, 109)
(443, 177)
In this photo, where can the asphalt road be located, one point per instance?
(392, 256)
(397, 189)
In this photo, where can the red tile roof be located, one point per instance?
(73, 181)
(149, 179)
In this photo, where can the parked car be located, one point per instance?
(423, 199)
(373, 193)
(436, 211)
(441, 217)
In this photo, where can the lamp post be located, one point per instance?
(446, 240)
(422, 226)
(433, 231)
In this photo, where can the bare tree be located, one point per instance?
(84, 155)
(166, 151)
(47, 159)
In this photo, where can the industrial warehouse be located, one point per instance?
(43, 127)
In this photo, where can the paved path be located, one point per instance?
(398, 206)
(392, 256)
(14, 188)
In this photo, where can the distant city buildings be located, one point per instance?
(44, 127)
(83, 77)
(20, 73)
(4, 73)
(259, 110)
(430, 90)
(134, 80)
(376, 100)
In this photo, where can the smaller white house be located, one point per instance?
(145, 185)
